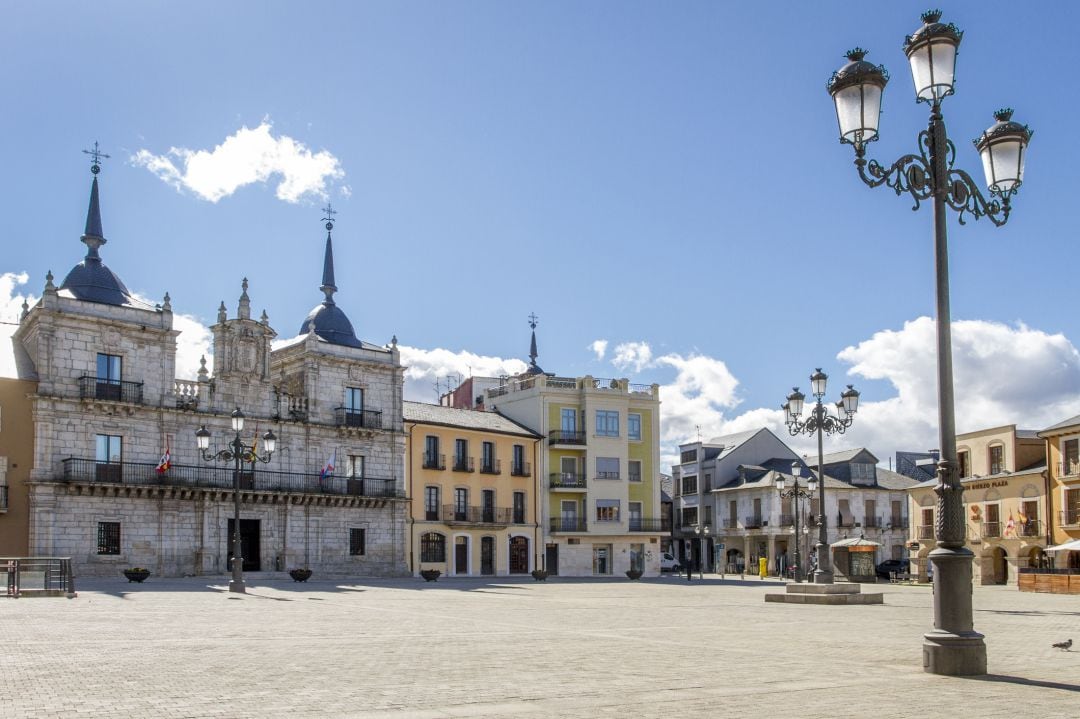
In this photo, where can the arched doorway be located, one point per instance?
(1000, 564)
(519, 555)
(461, 556)
(1037, 558)
(1073, 560)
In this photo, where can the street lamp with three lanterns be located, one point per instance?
(236, 452)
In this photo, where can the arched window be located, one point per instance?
(432, 547)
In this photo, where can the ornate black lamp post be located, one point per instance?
(795, 493)
(236, 452)
(822, 423)
(953, 647)
(702, 534)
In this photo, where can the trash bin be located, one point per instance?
(763, 567)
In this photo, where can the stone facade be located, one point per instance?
(108, 406)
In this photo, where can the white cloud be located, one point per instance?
(599, 348)
(426, 367)
(632, 355)
(244, 158)
(194, 342)
(10, 302)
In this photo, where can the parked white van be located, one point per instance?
(668, 563)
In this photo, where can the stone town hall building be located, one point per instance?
(108, 405)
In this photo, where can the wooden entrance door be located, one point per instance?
(487, 555)
(552, 559)
(249, 545)
(519, 555)
(461, 555)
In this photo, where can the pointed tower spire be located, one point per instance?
(328, 286)
(93, 235)
(533, 367)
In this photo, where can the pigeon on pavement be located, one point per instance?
(1063, 645)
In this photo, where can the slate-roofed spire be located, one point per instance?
(91, 280)
(533, 367)
(327, 320)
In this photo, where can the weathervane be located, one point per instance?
(329, 219)
(96, 156)
(532, 320)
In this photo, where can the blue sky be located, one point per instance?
(632, 172)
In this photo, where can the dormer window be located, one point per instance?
(997, 459)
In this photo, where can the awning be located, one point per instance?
(1073, 546)
(854, 543)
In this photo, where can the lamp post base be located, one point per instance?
(954, 655)
(237, 585)
(823, 577)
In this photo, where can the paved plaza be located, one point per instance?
(511, 648)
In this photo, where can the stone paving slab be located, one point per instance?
(510, 648)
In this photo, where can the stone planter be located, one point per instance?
(136, 575)
(300, 575)
(633, 573)
(430, 575)
(539, 574)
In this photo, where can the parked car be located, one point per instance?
(901, 566)
(668, 563)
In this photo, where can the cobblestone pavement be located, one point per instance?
(510, 648)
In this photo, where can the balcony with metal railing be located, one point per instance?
(1070, 517)
(363, 418)
(76, 470)
(752, 522)
(112, 390)
(568, 524)
(608, 475)
(1068, 468)
(787, 520)
(455, 514)
(492, 466)
(925, 531)
(463, 464)
(1030, 528)
(563, 436)
(434, 461)
(731, 523)
(641, 524)
(873, 522)
(991, 529)
(521, 469)
(567, 480)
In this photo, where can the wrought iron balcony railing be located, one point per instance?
(1030, 528)
(1068, 468)
(873, 522)
(476, 515)
(562, 436)
(991, 529)
(521, 469)
(926, 531)
(566, 480)
(463, 464)
(434, 461)
(1070, 516)
(366, 418)
(731, 523)
(640, 524)
(568, 524)
(220, 477)
(110, 389)
(493, 466)
(787, 520)
(752, 522)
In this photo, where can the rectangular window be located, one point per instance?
(897, 513)
(109, 448)
(108, 538)
(461, 504)
(354, 399)
(1072, 506)
(356, 541)
(1070, 457)
(635, 516)
(689, 516)
(733, 514)
(963, 459)
(432, 547)
(519, 461)
(997, 459)
(568, 419)
(870, 513)
(431, 504)
(355, 466)
(109, 368)
(708, 515)
(607, 510)
(487, 457)
(462, 460)
(607, 423)
(688, 455)
(633, 426)
(519, 508)
(432, 458)
(633, 470)
(689, 484)
(607, 467)
(487, 505)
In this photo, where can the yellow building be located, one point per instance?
(470, 477)
(1063, 459)
(16, 451)
(1003, 471)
